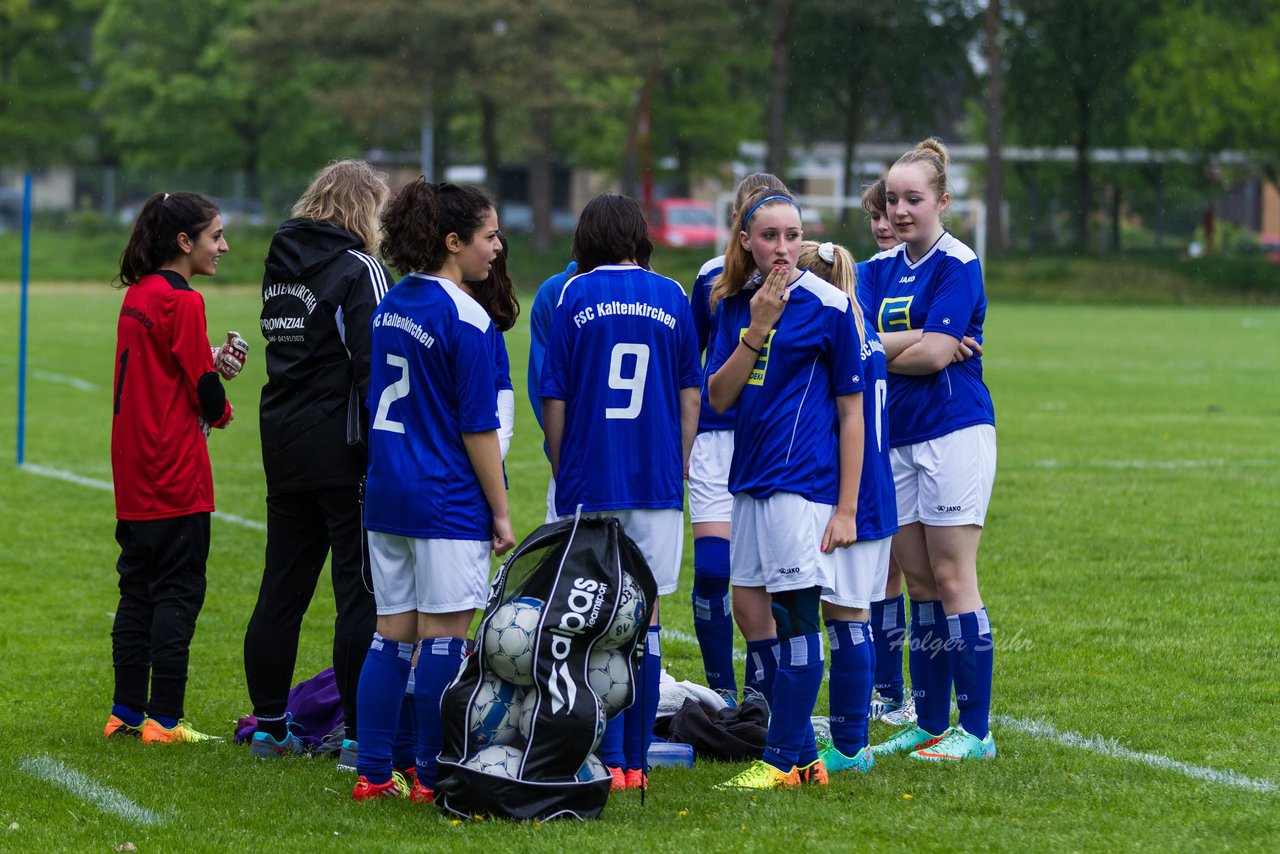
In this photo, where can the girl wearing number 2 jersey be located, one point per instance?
(619, 394)
(926, 299)
(435, 500)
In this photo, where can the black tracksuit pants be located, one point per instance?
(162, 585)
(302, 528)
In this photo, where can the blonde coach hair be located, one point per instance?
(348, 194)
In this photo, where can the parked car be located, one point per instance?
(683, 222)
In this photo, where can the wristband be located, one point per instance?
(756, 350)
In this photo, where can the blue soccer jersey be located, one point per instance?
(785, 434)
(622, 347)
(544, 308)
(942, 292)
(704, 322)
(501, 363)
(877, 502)
(431, 380)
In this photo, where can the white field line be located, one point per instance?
(1153, 464)
(1110, 747)
(105, 798)
(63, 379)
(106, 486)
(1045, 731)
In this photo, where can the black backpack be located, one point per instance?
(555, 657)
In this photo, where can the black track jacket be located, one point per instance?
(318, 294)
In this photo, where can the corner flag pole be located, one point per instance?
(22, 316)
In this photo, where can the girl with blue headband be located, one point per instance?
(787, 356)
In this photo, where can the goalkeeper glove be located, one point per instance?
(229, 359)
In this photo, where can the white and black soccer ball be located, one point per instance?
(525, 721)
(500, 760)
(509, 638)
(610, 678)
(495, 712)
(592, 769)
(626, 622)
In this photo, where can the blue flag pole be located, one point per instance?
(22, 317)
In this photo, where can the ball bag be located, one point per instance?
(565, 621)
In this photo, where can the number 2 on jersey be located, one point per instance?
(633, 384)
(390, 394)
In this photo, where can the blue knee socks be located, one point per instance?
(438, 662)
(796, 685)
(972, 658)
(850, 688)
(713, 612)
(639, 719)
(402, 755)
(762, 665)
(382, 680)
(889, 634)
(930, 664)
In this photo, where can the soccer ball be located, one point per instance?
(527, 708)
(626, 622)
(509, 638)
(495, 712)
(610, 678)
(592, 769)
(500, 760)
(526, 720)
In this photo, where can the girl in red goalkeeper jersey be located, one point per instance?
(167, 395)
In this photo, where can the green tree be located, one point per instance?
(184, 87)
(1209, 82)
(46, 81)
(1068, 82)
(851, 76)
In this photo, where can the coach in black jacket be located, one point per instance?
(319, 292)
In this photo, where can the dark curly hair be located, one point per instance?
(496, 294)
(421, 215)
(154, 241)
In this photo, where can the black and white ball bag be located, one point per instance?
(555, 657)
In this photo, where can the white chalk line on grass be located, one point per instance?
(1046, 731)
(64, 379)
(106, 486)
(1152, 464)
(1110, 747)
(105, 798)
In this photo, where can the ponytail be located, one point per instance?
(840, 270)
(933, 153)
(154, 240)
(421, 215)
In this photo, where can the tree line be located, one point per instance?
(632, 87)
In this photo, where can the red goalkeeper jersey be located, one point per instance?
(164, 383)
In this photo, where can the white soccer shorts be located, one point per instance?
(709, 498)
(862, 571)
(776, 543)
(660, 536)
(946, 481)
(430, 576)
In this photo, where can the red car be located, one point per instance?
(683, 222)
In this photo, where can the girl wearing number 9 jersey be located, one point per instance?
(619, 394)
(926, 298)
(435, 501)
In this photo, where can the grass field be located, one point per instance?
(1129, 565)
